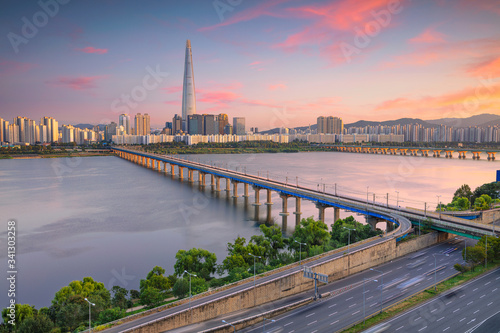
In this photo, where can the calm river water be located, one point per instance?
(113, 220)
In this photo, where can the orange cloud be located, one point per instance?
(77, 83)
(485, 97)
(488, 68)
(428, 36)
(172, 90)
(278, 86)
(90, 49)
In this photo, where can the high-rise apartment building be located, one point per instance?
(124, 120)
(52, 129)
(210, 126)
(142, 124)
(188, 90)
(176, 124)
(239, 125)
(222, 121)
(195, 124)
(330, 125)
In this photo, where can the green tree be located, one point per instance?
(463, 191)
(483, 202)
(36, 324)
(181, 287)
(151, 297)
(239, 257)
(22, 312)
(460, 268)
(198, 261)
(310, 232)
(475, 255)
(272, 240)
(119, 297)
(155, 279)
(110, 315)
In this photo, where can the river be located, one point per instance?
(113, 220)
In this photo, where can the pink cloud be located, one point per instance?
(9, 67)
(489, 68)
(278, 86)
(428, 36)
(91, 49)
(255, 63)
(172, 89)
(77, 83)
(175, 102)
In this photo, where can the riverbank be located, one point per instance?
(35, 156)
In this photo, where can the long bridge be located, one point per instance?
(416, 151)
(375, 212)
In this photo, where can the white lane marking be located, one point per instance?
(475, 289)
(476, 311)
(288, 324)
(440, 319)
(332, 314)
(423, 328)
(456, 310)
(489, 303)
(314, 331)
(336, 321)
(448, 303)
(487, 283)
(462, 296)
(312, 322)
(433, 310)
(397, 329)
(331, 306)
(399, 268)
(356, 312)
(349, 298)
(494, 290)
(309, 315)
(352, 305)
(419, 269)
(369, 297)
(461, 320)
(373, 304)
(429, 278)
(482, 296)
(417, 284)
(470, 302)
(447, 328)
(473, 320)
(418, 318)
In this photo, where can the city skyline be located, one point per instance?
(277, 63)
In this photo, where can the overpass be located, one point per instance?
(376, 212)
(416, 151)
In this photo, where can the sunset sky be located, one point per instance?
(275, 62)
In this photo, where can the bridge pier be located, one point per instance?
(491, 156)
(212, 180)
(190, 175)
(158, 164)
(228, 188)
(235, 189)
(202, 179)
(245, 191)
(336, 214)
(257, 202)
(284, 214)
(165, 168)
(269, 203)
(217, 184)
(297, 212)
(172, 170)
(181, 172)
(321, 207)
(372, 221)
(476, 155)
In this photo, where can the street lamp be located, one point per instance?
(367, 193)
(190, 296)
(264, 326)
(465, 247)
(90, 326)
(364, 313)
(229, 324)
(254, 268)
(439, 196)
(435, 267)
(300, 250)
(381, 285)
(349, 239)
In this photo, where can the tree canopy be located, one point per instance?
(198, 261)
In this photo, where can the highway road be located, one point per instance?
(471, 307)
(129, 326)
(331, 314)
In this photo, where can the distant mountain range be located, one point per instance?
(482, 120)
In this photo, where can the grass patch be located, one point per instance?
(421, 297)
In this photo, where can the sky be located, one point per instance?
(278, 63)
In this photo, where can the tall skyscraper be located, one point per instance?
(176, 124)
(142, 124)
(188, 91)
(239, 126)
(330, 125)
(222, 121)
(124, 120)
(52, 128)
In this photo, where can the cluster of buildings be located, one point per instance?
(25, 130)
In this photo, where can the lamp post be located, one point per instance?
(254, 268)
(435, 268)
(349, 239)
(90, 303)
(264, 326)
(381, 285)
(234, 328)
(465, 247)
(367, 193)
(364, 314)
(439, 196)
(189, 287)
(300, 251)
